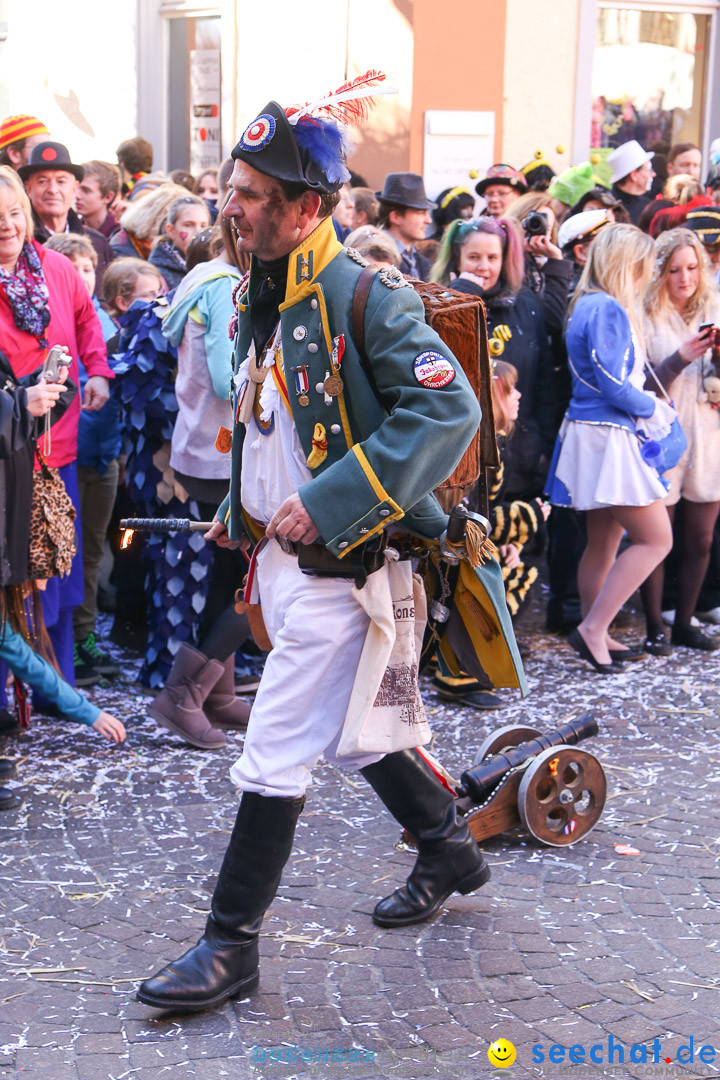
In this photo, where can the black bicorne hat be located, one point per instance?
(269, 144)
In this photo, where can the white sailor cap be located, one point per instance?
(581, 227)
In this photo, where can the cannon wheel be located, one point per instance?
(510, 735)
(562, 795)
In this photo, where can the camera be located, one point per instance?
(57, 358)
(535, 224)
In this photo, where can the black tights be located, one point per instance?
(697, 534)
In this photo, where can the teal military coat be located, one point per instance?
(381, 466)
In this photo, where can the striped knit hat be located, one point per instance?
(15, 128)
(705, 221)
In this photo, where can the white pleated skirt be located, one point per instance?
(601, 466)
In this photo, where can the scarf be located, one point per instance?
(27, 294)
(264, 312)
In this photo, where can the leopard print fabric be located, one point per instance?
(52, 526)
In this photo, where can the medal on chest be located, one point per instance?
(301, 384)
(249, 407)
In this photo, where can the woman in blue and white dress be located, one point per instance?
(597, 465)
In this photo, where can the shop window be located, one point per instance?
(194, 93)
(648, 77)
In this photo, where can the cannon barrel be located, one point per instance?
(164, 525)
(478, 783)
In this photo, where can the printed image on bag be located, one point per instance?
(400, 689)
(386, 711)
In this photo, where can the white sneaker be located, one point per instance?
(668, 617)
(712, 616)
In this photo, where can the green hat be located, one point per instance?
(572, 184)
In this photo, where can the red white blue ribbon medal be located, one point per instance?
(301, 384)
(433, 370)
(259, 133)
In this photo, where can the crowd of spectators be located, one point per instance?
(600, 291)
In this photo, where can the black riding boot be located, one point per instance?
(448, 858)
(224, 963)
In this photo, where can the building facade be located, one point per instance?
(478, 80)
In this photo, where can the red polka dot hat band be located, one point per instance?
(50, 156)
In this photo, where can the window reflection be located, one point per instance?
(648, 75)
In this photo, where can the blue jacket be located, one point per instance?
(601, 356)
(99, 432)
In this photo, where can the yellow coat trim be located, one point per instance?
(374, 480)
(316, 290)
(196, 316)
(324, 245)
(381, 493)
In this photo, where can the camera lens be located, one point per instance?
(535, 224)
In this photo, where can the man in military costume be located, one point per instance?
(320, 468)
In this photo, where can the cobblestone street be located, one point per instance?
(108, 867)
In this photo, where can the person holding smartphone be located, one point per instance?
(682, 307)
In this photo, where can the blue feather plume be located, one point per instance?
(326, 144)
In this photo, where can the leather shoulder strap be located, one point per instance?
(360, 299)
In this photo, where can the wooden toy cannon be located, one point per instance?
(543, 782)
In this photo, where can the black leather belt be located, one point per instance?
(316, 561)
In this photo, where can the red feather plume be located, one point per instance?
(350, 103)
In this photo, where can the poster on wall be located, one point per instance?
(205, 151)
(457, 144)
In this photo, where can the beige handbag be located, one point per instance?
(386, 712)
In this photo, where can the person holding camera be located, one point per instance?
(546, 271)
(43, 302)
(682, 310)
(484, 257)
(38, 398)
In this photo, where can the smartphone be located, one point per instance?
(57, 358)
(705, 328)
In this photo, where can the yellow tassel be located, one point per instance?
(319, 447)
(478, 546)
(477, 613)
(474, 546)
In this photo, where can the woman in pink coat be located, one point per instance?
(43, 302)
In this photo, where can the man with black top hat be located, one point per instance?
(405, 215)
(323, 460)
(51, 181)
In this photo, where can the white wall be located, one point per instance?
(299, 54)
(72, 63)
(540, 71)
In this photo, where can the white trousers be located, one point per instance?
(317, 630)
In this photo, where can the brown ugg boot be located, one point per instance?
(222, 708)
(179, 707)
